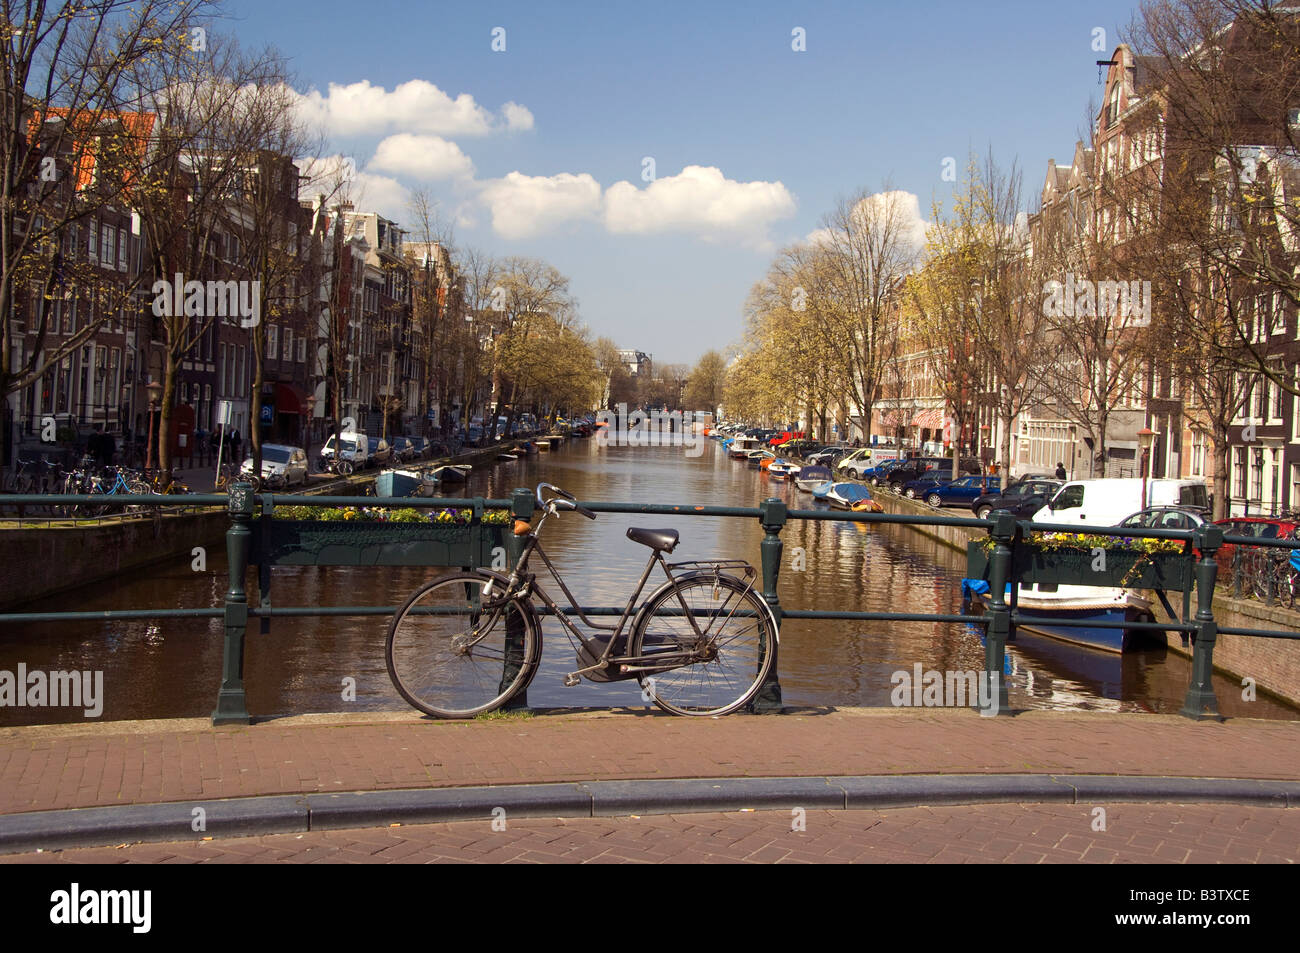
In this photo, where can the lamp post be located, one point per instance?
(1145, 436)
(311, 427)
(1073, 431)
(155, 398)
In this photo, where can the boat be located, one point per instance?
(742, 447)
(1083, 605)
(809, 477)
(755, 459)
(451, 473)
(782, 469)
(852, 496)
(392, 484)
(820, 490)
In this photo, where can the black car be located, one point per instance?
(1023, 498)
(917, 467)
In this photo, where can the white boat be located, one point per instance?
(742, 447)
(809, 478)
(783, 469)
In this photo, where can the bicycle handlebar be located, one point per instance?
(570, 501)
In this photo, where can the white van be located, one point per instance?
(1106, 502)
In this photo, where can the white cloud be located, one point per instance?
(874, 208)
(421, 157)
(699, 200)
(338, 178)
(527, 205)
(517, 117)
(416, 105)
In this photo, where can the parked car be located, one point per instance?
(1024, 498)
(378, 452)
(962, 491)
(1261, 527)
(351, 457)
(923, 485)
(1106, 502)
(826, 455)
(917, 467)
(403, 449)
(880, 473)
(1164, 517)
(282, 466)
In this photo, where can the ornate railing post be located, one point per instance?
(521, 508)
(231, 707)
(998, 630)
(772, 516)
(1201, 702)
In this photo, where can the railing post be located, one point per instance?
(521, 508)
(231, 706)
(772, 516)
(1200, 702)
(998, 629)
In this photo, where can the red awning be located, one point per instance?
(289, 399)
(931, 419)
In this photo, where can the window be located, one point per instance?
(121, 249)
(1257, 473)
(1239, 471)
(302, 350)
(106, 237)
(272, 341)
(288, 344)
(93, 250)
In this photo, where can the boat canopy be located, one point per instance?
(814, 473)
(852, 492)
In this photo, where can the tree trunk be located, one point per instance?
(1222, 463)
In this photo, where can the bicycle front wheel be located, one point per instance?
(451, 657)
(727, 645)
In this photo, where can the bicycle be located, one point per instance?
(700, 644)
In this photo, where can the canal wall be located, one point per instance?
(1273, 664)
(46, 559)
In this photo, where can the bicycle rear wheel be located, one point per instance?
(451, 659)
(732, 644)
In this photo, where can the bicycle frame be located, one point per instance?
(522, 584)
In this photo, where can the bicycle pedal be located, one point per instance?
(571, 680)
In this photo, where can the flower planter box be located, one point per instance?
(1078, 567)
(362, 543)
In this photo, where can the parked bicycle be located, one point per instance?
(700, 644)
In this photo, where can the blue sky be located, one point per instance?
(752, 141)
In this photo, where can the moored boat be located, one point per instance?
(852, 496)
(452, 473)
(809, 477)
(1081, 605)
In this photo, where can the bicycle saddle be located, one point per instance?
(664, 540)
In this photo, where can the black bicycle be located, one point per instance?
(700, 644)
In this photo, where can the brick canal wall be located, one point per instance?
(44, 561)
(1274, 664)
(49, 559)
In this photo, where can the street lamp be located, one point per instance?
(311, 426)
(1145, 437)
(155, 399)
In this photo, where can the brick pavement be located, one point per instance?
(986, 833)
(84, 765)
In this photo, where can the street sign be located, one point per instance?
(225, 412)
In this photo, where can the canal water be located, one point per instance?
(172, 668)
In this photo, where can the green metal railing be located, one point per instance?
(999, 620)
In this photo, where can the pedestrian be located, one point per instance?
(235, 441)
(1060, 471)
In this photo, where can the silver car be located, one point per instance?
(282, 466)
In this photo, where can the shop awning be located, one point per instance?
(931, 419)
(289, 399)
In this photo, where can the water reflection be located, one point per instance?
(170, 668)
